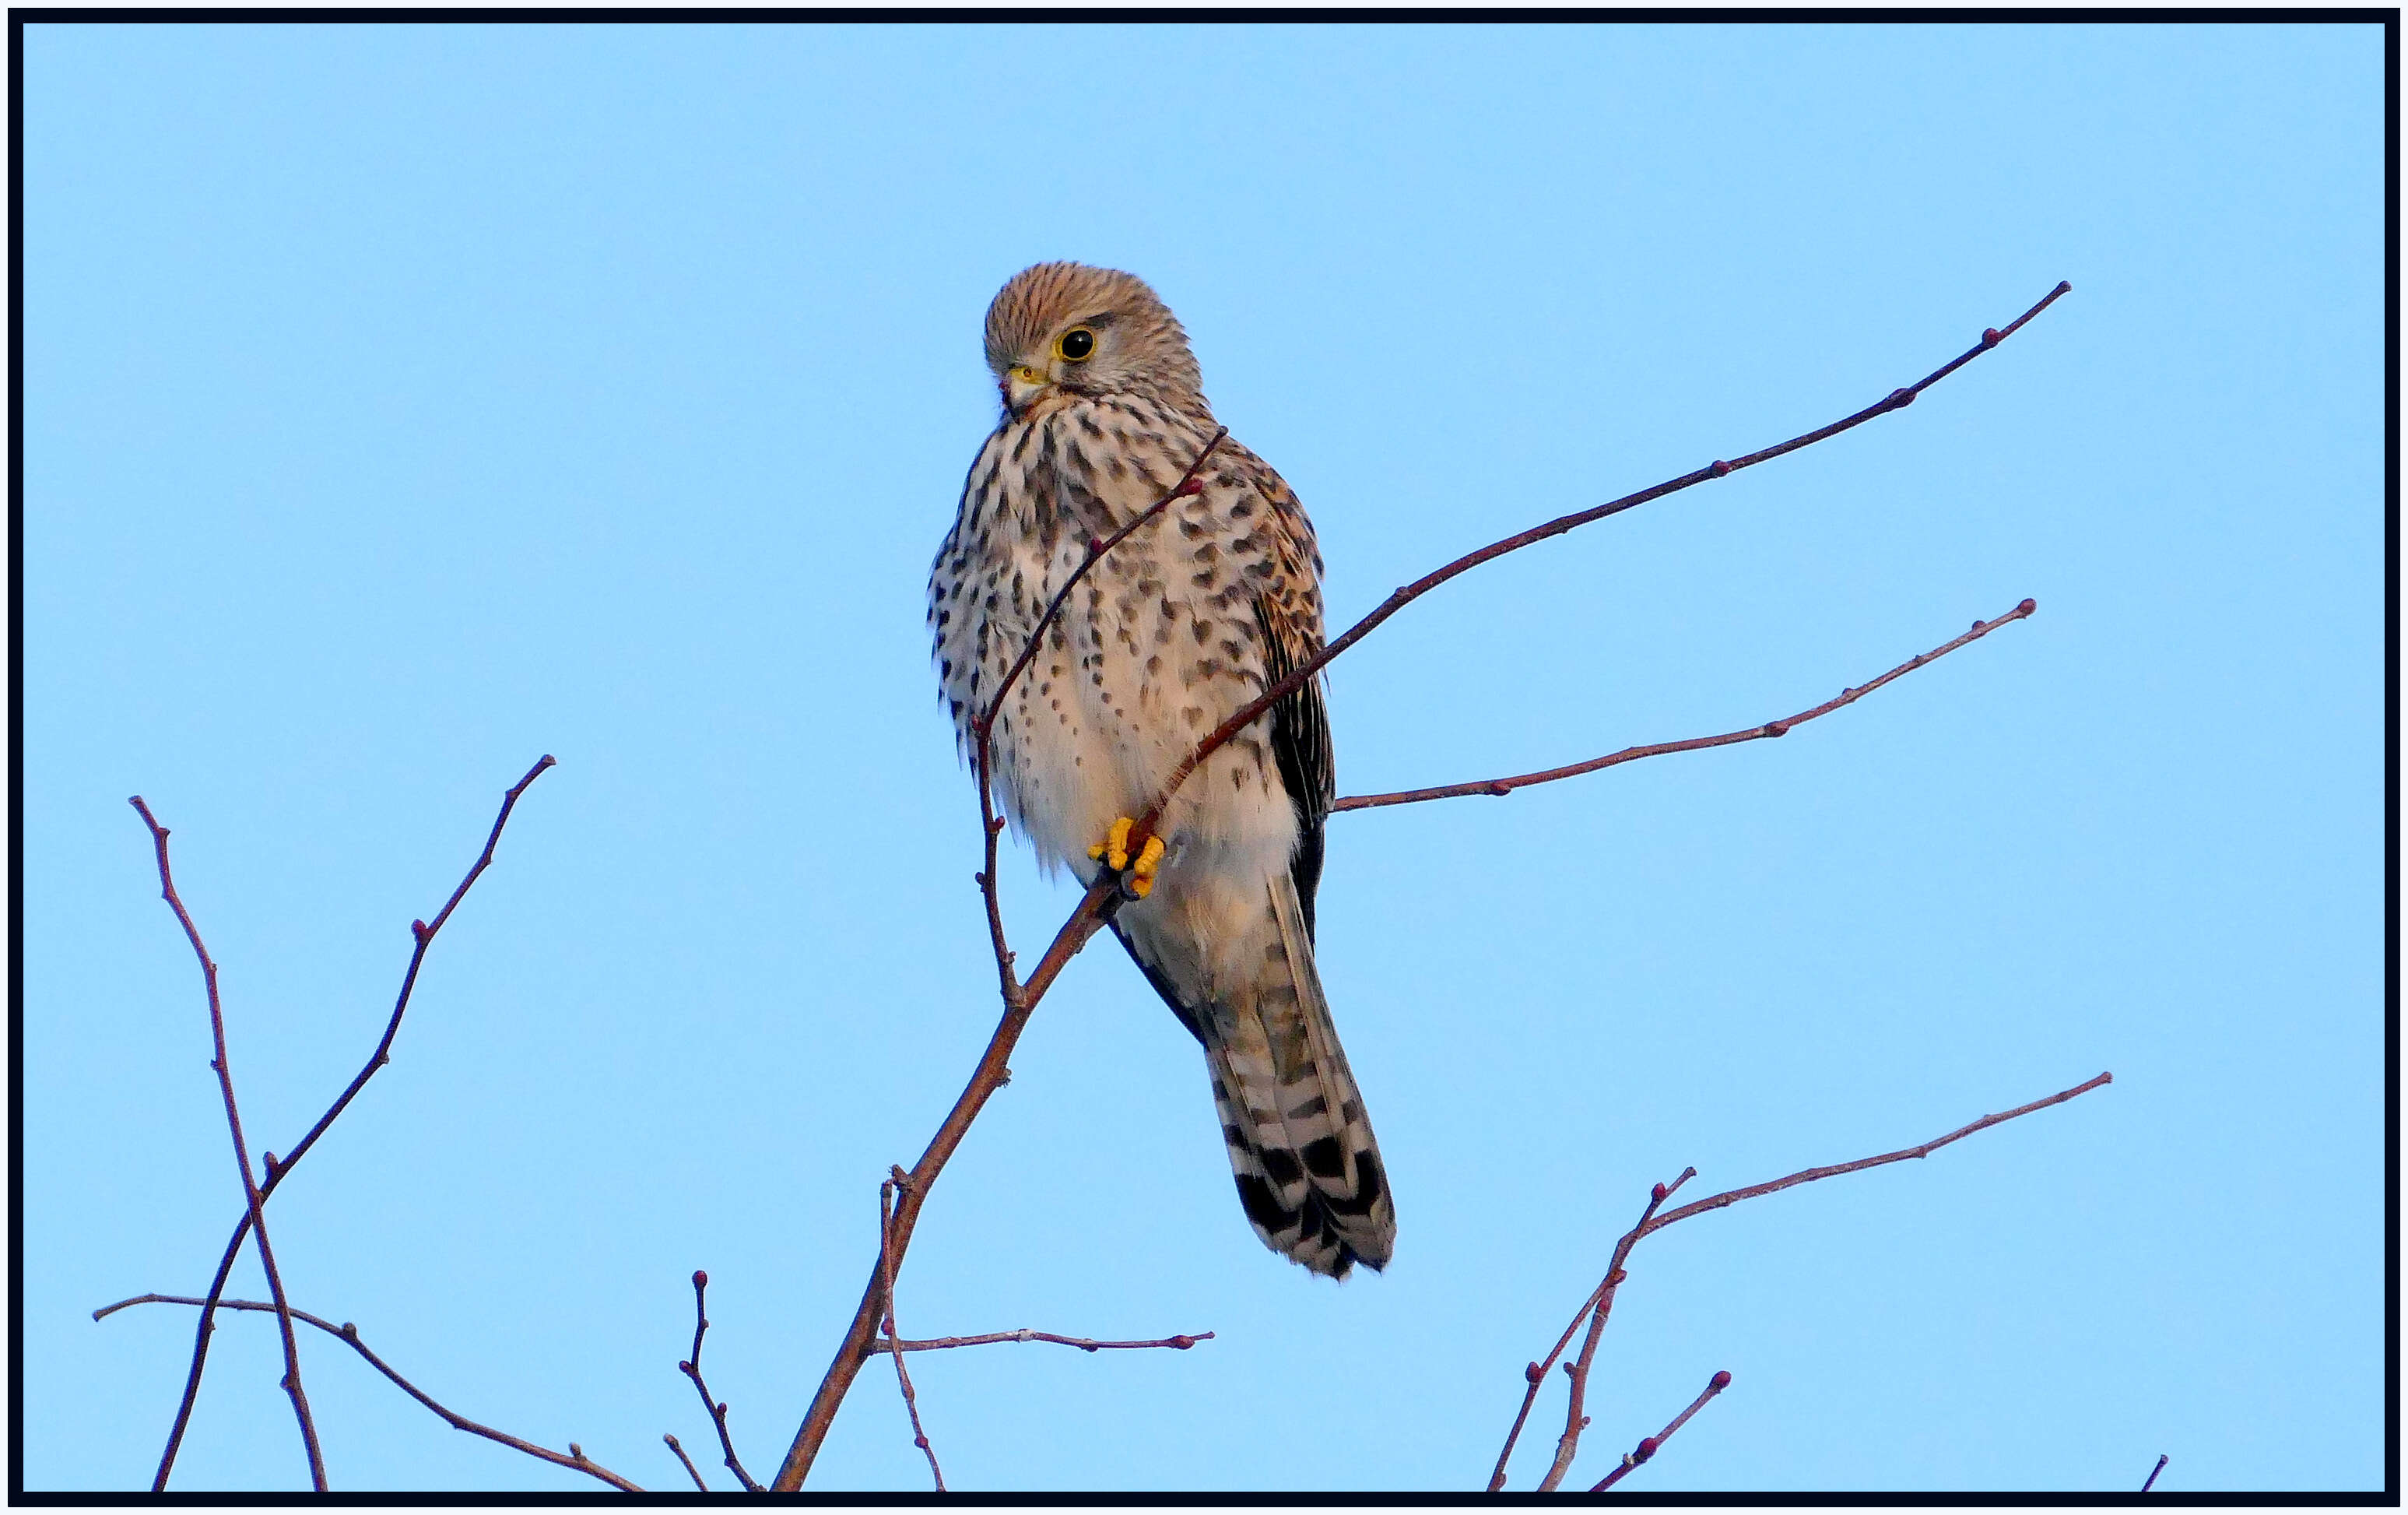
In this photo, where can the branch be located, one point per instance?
(1600, 1299)
(886, 1261)
(1102, 898)
(691, 1471)
(1753, 733)
(424, 934)
(1808, 1176)
(1085, 1344)
(224, 1069)
(1599, 1306)
(1305, 671)
(1019, 1000)
(984, 725)
(574, 1459)
(1648, 1445)
(691, 1368)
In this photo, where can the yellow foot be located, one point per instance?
(1113, 851)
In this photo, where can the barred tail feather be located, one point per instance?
(1307, 1165)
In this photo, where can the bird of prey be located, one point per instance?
(1199, 612)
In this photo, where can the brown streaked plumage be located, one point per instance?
(1192, 617)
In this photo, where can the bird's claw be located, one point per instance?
(1137, 872)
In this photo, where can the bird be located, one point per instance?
(1196, 613)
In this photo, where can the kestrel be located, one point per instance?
(1195, 613)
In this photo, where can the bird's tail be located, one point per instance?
(1307, 1167)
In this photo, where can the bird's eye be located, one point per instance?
(1077, 345)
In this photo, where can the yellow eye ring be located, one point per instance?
(1076, 345)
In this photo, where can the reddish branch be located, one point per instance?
(1085, 1344)
(903, 1379)
(1019, 999)
(348, 1334)
(251, 1190)
(1600, 1308)
(1647, 1445)
(1307, 670)
(691, 1368)
(1753, 733)
(1600, 1303)
(983, 726)
(424, 934)
(1102, 898)
(691, 1471)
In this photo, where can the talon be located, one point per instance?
(1142, 876)
(1113, 849)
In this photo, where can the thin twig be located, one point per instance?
(1599, 1306)
(223, 1067)
(1085, 1344)
(348, 1334)
(2153, 1473)
(1647, 1445)
(1020, 998)
(1306, 670)
(424, 935)
(691, 1471)
(691, 1368)
(886, 1261)
(1810, 1176)
(984, 725)
(1103, 897)
(1753, 733)
(1601, 1298)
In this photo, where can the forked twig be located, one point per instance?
(691, 1368)
(423, 933)
(1654, 1220)
(1753, 733)
(1102, 898)
(886, 1262)
(574, 1459)
(1599, 1306)
(224, 1068)
(1647, 1445)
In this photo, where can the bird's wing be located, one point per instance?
(1288, 613)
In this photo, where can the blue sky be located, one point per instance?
(404, 403)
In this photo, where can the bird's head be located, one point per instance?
(1068, 328)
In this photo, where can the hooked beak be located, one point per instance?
(1021, 385)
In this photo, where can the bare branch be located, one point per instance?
(984, 725)
(1810, 1176)
(1085, 1344)
(691, 1471)
(424, 935)
(574, 1459)
(251, 1190)
(691, 1368)
(1647, 1445)
(1019, 999)
(1307, 670)
(886, 1261)
(1753, 733)
(1654, 1220)
(1599, 1306)
(1103, 897)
